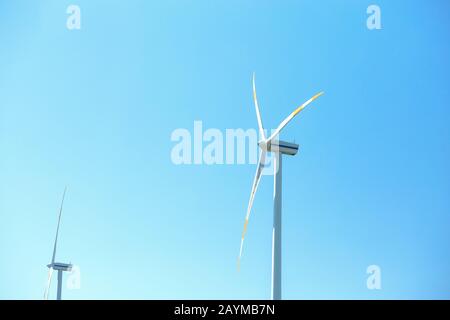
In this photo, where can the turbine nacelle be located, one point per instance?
(60, 266)
(278, 146)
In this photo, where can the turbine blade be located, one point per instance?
(262, 157)
(57, 228)
(292, 115)
(258, 115)
(49, 281)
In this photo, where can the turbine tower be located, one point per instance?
(60, 267)
(279, 148)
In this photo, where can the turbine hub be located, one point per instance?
(263, 145)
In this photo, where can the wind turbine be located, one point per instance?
(279, 148)
(60, 267)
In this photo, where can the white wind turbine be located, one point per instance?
(272, 144)
(60, 267)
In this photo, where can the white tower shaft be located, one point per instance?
(276, 231)
(60, 277)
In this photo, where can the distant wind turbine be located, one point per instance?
(60, 267)
(272, 144)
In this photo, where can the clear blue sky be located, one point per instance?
(94, 109)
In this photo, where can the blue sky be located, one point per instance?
(94, 109)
